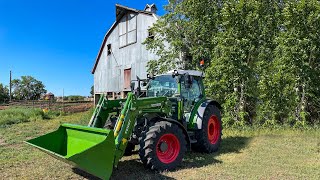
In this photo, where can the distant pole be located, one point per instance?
(10, 87)
(62, 99)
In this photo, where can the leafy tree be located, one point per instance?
(262, 57)
(270, 25)
(297, 65)
(184, 32)
(4, 93)
(92, 90)
(27, 88)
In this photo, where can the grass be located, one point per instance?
(17, 115)
(244, 154)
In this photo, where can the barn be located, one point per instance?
(122, 56)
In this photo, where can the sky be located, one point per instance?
(57, 41)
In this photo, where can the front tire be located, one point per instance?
(209, 137)
(162, 146)
(128, 151)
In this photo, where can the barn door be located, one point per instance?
(127, 78)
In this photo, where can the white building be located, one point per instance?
(122, 56)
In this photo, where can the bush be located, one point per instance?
(19, 115)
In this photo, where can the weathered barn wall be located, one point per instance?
(109, 73)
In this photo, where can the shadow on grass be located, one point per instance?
(134, 169)
(84, 174)
(228, 145)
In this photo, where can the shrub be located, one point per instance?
(19, 115)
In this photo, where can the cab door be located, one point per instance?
(191, 94)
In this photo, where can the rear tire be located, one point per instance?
(162, 146)
(209, 137)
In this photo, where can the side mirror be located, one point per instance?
(132, 85)
(150, 76)
(144, 83)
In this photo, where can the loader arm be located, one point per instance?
(132, 108)
(93, 148)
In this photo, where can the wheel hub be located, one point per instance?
(168, 148)
(163, 146)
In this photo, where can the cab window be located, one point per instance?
(194, 92)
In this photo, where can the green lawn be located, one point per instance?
(249, 154)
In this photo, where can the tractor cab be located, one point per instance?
(184, 87)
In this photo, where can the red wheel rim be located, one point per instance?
(213, 129)
(168, 148)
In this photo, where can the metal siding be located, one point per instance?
(109, 74)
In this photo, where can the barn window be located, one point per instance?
(128, 29)
(127, 78)
(109, 49)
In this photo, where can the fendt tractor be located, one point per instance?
(171, 116)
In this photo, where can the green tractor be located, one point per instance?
(169, 118)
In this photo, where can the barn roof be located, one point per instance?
(120, 12)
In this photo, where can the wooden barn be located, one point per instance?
(122, 56)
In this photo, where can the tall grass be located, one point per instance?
(19, 115)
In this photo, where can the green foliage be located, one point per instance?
(75, 98)
(4, 93)
(19, 115)
(27, 88)
(92, 90)
(262, 57)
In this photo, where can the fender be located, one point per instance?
(200, 112)
(185, 132)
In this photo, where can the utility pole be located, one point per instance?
(10, 87)
(63, 100)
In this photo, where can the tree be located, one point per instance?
(27, 88)
(185, 31)
(262, 57)
(92, 90)
(296, 63)
(75, 98)
(4, 93)
(223, 33)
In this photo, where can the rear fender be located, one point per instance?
(200, 112)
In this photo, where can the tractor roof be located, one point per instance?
(190, 72)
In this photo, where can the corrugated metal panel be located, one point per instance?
(109, 74)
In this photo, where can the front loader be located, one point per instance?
(170, 118)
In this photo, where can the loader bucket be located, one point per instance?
(89, 149)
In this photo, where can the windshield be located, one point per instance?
(164, 85)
